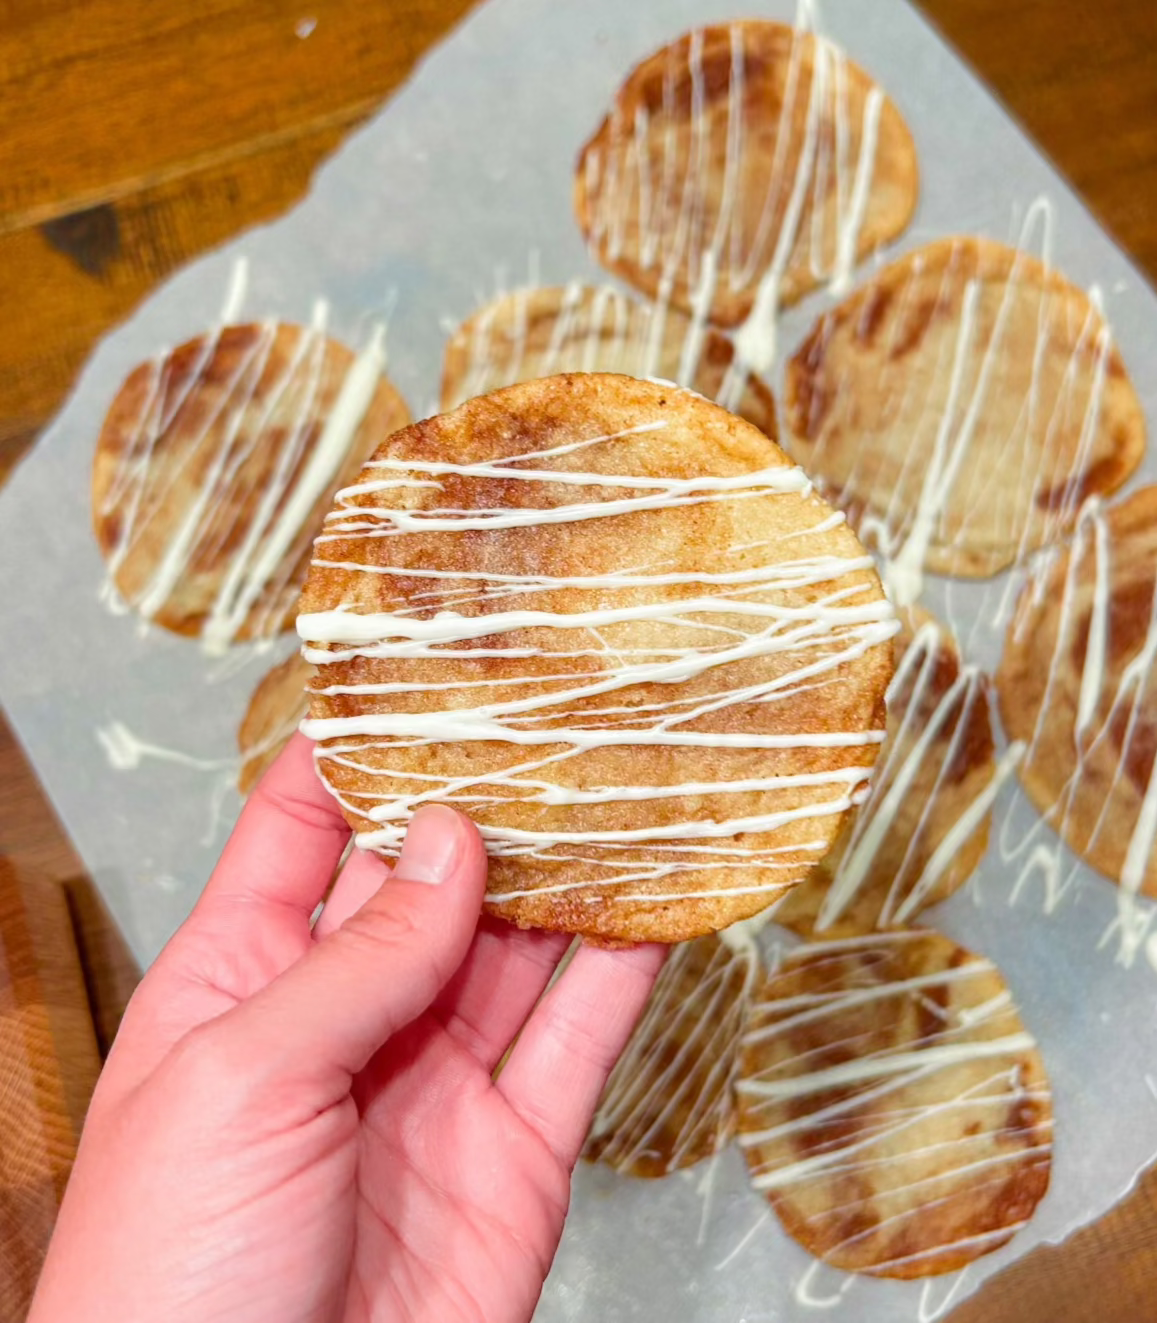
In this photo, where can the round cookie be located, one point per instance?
(216, 464)
(742, 166)
(1078, 684)
(669, 1101)
(892, 1107)
(613, 624)
(582, 328)
(276, 709)
(924, 826)
(960, 407)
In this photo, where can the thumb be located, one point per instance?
(329, 1013)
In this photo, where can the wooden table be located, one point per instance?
(137, 134)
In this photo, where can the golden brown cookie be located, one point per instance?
(892, 1107)
(583, 328)
(961, 406)
(744, 161)
(669, 1101)
(216, 464)
(924, 826)
(612, 623)
(1078, 684)
(275, 711)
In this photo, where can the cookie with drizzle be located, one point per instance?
(961, 406)
(1078, 685)
(740, 167)
(669, 1102)
(586, 328)
(613, 624)
(893, 1108)
(924, 826)
(216, 464)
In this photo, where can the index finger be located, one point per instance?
(287, 842)
(252, 920)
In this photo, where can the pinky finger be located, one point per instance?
(570, 1044)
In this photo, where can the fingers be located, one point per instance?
(285, 846)
(323, 1018)
(560, 1064)
(251, 923)
(504, 974)
(360, 879)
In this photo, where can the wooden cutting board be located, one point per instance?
(48, 1065)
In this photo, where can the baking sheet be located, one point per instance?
(460, 186)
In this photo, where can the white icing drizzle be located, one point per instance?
(265, 558)
(931, 1308)
(682, 1058)
(829, 184)
(891, 1108)
(125, 751)
(236, 291)
(803, 1292)
(745, 1240)
(754, 620)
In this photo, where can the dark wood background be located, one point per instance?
(138, 133)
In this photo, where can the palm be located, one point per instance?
(304, 1125)
(476, 1196)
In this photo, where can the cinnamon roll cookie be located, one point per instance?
(960, 407)
(613, 624)
(216, 464)
(583, 328)
(742, 166)
(669, 1102)
(892, 1106)
(1078, 684)
(924, 826)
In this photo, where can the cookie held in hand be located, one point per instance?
(613, 624)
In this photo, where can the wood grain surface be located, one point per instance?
(48, 1066)
(139, 134)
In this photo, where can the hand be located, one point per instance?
(298, 1125)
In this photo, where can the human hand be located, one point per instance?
(298, 1125)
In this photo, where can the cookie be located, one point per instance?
(892, 1107)
(613, 624)
(742, 166)
(924, 826)
(669, 1102)
(275, 711)
(583, 328)
(216, 464)
(961, 406)
(1078, 685)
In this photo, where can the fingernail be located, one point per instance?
(431, 847)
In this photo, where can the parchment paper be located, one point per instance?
(462, 184)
